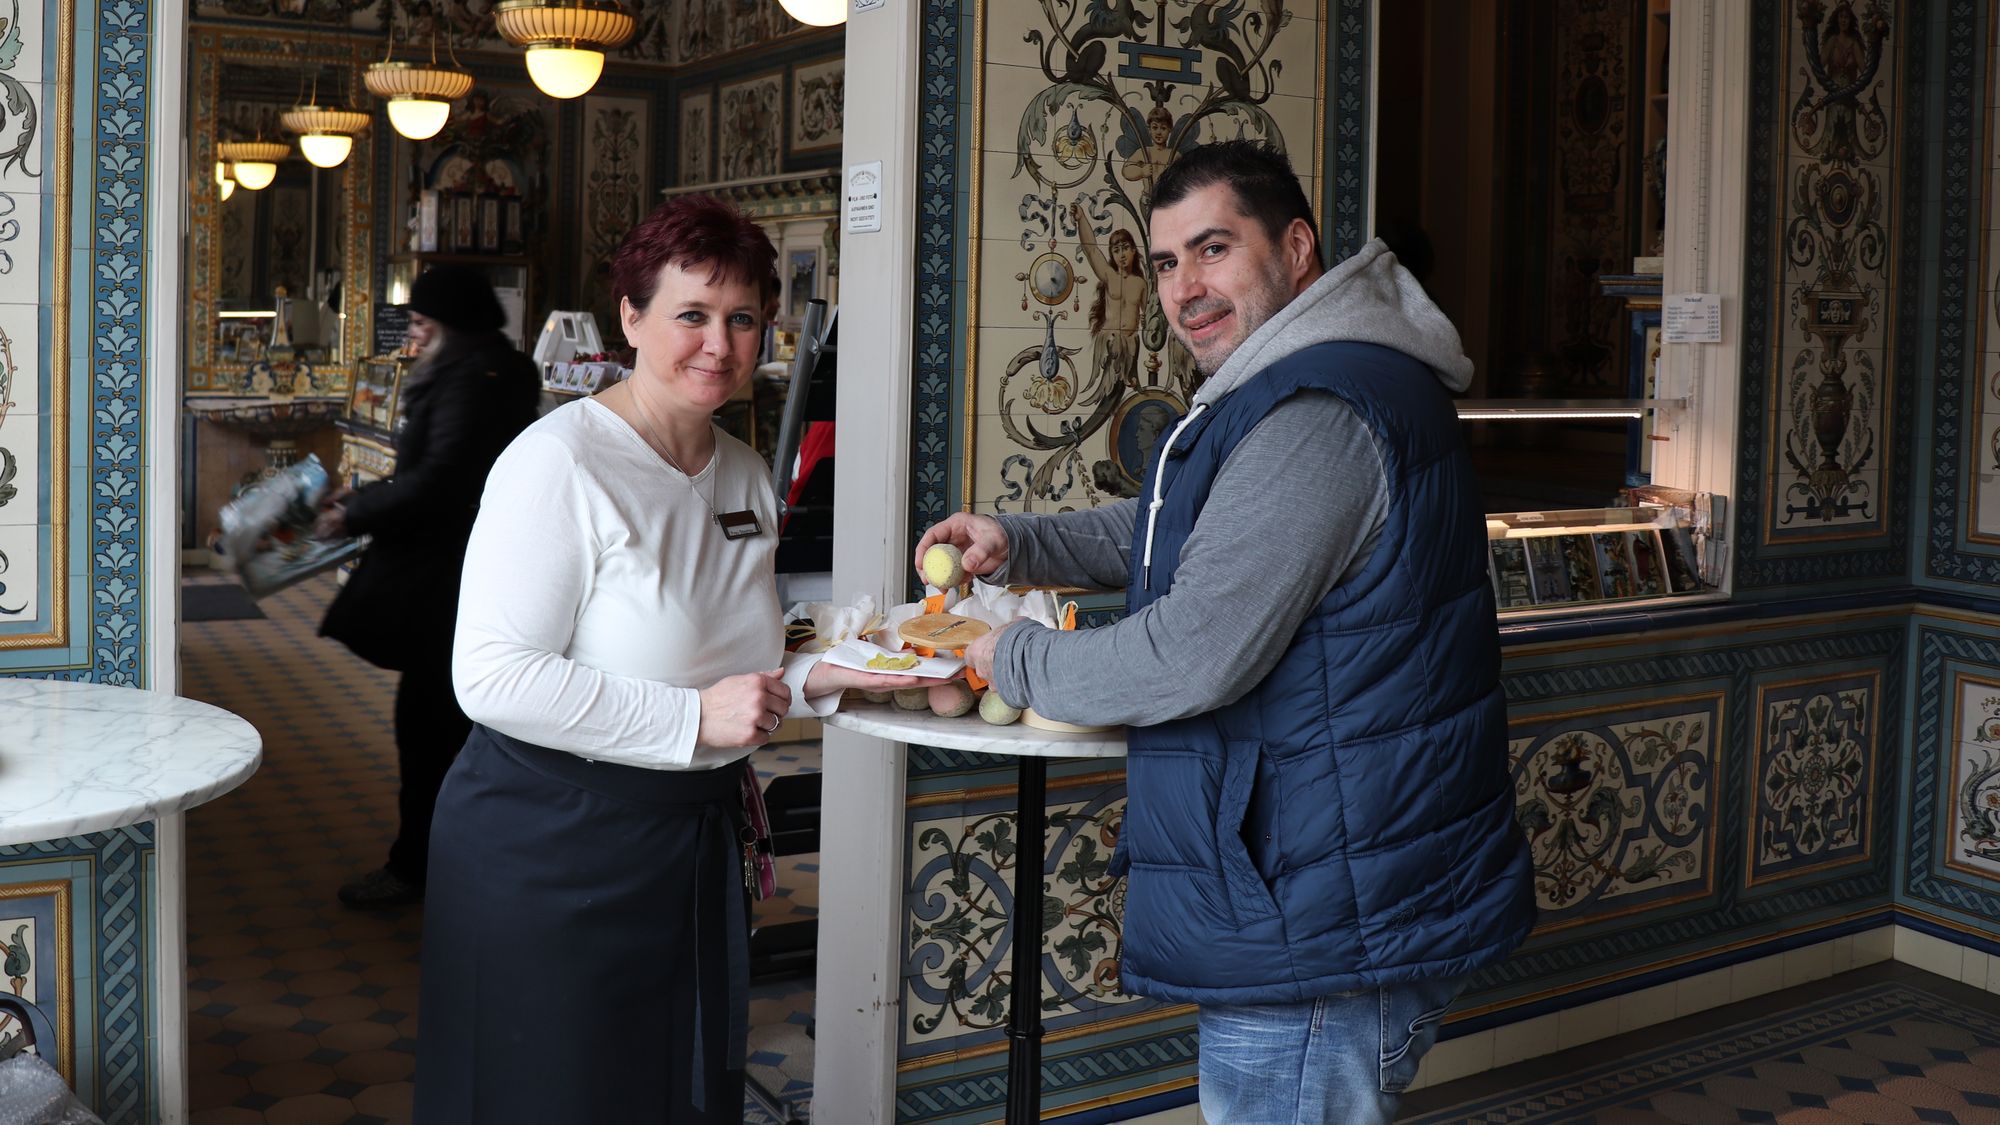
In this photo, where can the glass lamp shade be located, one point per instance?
(253, 163)
(222, 173)
(326, 150)
(418, 118)
(228, 187)
(564, 72)
(254, 174)
(816, 13)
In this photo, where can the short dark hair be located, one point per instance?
(691, 231)
(1266, 187)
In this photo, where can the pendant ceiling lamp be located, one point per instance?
(254, 164)
(566, 39)
(419, 94)
(326, 133)
(816, 13)
(224, 181)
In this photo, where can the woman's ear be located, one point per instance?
(627, 315)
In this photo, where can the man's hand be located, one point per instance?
(979, 654)
(980, 539)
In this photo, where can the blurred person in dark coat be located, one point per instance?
(471, 392)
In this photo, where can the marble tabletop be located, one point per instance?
(970, 732)
(77, 758)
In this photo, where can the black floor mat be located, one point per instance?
(217, 601)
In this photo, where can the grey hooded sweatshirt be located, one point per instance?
(1295, 509)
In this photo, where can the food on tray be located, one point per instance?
(875, 696)
(896, 662)
(942, 631)
(996, 710)
(913, 699)
(944, 566)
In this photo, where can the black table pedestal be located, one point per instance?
(1024, 1000)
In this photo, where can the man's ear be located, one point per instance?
(1301, 253)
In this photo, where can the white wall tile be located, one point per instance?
(1587, 1023)
(1931, 954)
(1526, 1039)
(1755, 978)
(1973, 967)
(1843, 953)
(1808, 963)
(1456, 1058)
(1874, 946)
(1647, 1006)
(1703, 991)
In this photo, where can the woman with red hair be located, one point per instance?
(621, 651)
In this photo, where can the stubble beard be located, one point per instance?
(1257, 308)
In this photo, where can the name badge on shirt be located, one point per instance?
(738, 525)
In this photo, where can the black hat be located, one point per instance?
(458, 297)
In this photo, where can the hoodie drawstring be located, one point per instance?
(1159, 494)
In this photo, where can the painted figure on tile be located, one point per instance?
(18, 100)
(1114, 313)
(1087, 132)
(1145, 165)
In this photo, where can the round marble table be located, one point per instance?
(78, 758)
(1033, 748)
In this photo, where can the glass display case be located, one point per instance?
(1662, 547)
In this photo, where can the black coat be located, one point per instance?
(400, 605)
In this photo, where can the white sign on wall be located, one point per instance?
(864, 197)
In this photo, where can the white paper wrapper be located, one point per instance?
(833, 624)
(855, 654)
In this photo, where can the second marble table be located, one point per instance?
(1032, 748)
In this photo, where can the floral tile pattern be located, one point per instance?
(1619, 806)
(1816, 752)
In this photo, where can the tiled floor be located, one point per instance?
(305, 1013)
(1886, 1043)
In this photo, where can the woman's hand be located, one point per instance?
(979, 537)
(743, 710)
(332, 523)
(827, 677)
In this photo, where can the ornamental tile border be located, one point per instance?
(1948, 557)
(1925, 877)
(123, 1071)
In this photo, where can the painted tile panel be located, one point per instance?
(1619, 805)
(1829, 403)
(1070, 140)
(1816, 753)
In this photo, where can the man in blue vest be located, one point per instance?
(1319, 839)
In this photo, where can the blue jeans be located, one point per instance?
(1339, 1060)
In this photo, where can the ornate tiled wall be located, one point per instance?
(1696, 794)
(78, 361)
(75, 938)
(1950, 872)
(1835, 254)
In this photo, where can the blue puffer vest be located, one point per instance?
(1350, 821)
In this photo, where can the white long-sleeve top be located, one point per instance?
(600, 595)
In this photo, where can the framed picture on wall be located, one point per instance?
(513, 239)
(489, 224)
(749, 119)
(816, 106)
(464, 224)
(697, 137)
(801, 278)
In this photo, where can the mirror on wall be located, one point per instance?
(278, 248)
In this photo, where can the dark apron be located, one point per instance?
(585, 943)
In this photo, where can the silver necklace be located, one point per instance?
(660, 447)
